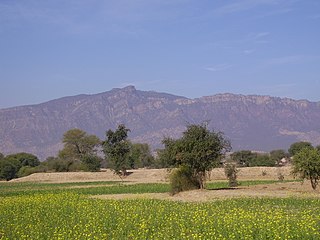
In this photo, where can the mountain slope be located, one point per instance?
(250, 122)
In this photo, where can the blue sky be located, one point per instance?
(55, 48)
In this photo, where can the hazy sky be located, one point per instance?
(55, 48)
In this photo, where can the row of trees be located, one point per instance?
(17, 165)
(246, 158)
(193, 155)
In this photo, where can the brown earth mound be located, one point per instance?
(153, 175)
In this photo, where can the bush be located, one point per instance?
(231, 171)
(27, 170)
(9, 167)
(91, 163)
(181, 179)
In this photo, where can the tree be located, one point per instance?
(198, 149)
(79, 148)
(9, 167)
(117, 148)
(26, 159)
(8, 170)
(140, 155)
(77, 144)
(318, 147)
(306, 164)
(92, 163)
(1, 156)
(298, 146)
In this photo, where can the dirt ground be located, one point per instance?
(153, 175)
(282, 190)
(290, 189)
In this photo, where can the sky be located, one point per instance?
(55, 48)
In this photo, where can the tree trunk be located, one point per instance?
(314, 183)
(201, 178)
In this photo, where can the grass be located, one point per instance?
(99, 188)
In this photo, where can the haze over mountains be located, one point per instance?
(250, 122)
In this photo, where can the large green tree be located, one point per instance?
(117, 149)
(306, 164)
(77, 144)
(9, 167)
(26, 159)
(298, 146)
(79, 151)
(199, 149)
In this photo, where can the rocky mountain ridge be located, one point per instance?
(250, 122)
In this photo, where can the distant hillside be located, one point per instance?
(250, 122)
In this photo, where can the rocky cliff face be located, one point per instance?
(250, 122)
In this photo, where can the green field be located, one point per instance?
(61, 211)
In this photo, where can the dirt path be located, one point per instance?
(291, 189)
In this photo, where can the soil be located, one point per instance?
(281, 189)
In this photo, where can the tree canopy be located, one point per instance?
(77, 144)
(117, 148)
(298, 146)
(199, 149)
(306, 164)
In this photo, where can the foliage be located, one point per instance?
(306, 164)
(140, 155)
(1, 156)
(117, 148)
(79, 152)
(91, 163)
(8, 170)
(9, 166)
(167, 156)
(231, 171)
(61, 165)
(243, 158)
(182, 179)
(26, 159)
(263, 160)
(247, 158)
(243, 218)
(26, 170)
(298, 146)
(198, 149)
(77, 144)
(277, 155)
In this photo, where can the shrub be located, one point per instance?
(25, 171)
(230, 170)
(91, 163)
(181, 179)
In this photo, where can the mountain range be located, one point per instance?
(250, 122)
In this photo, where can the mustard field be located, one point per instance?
(72, 215)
